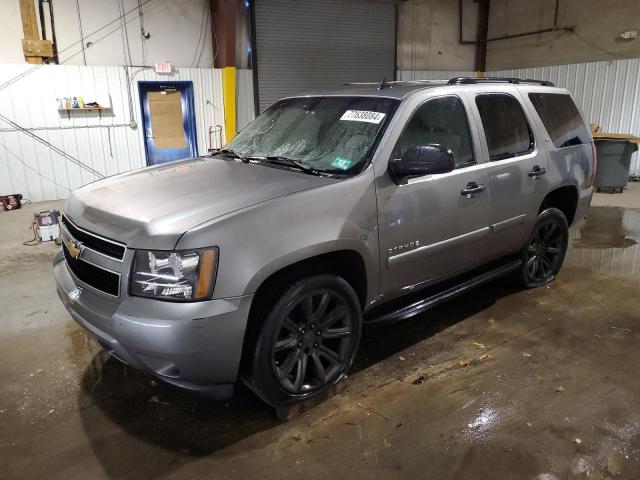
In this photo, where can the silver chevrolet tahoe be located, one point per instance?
(263, 261)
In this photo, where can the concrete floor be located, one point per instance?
(497, 384)
(629, 199)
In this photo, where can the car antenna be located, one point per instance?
(384, 84)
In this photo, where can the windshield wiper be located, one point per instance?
(227, 152)
(287, 162)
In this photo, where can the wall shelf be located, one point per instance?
(84, 109)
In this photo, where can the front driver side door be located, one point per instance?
(429, 228)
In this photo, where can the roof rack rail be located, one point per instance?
(396, 82)
(513, 80)
(423, 81)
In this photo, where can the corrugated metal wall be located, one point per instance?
(104, 143)
(607, 93)
(431, 74)
(245, 105)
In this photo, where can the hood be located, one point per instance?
(153, 207)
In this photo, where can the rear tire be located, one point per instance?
(307, 339)
(544, 253)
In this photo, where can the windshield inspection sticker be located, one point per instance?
(362, 116)
(341, 163)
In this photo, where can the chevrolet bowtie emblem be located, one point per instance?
(73, 247)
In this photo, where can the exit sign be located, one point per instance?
(163, 67)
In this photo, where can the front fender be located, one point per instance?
(262, 239)
(312, 251)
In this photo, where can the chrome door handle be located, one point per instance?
(537, 171)
(472, 188)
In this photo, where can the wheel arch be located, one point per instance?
(347, 263)
(564, 198)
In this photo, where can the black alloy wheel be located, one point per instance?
(545, 252)
(303, 336)
(313, 343)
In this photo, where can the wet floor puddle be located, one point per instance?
(607, 242)
(608, 227)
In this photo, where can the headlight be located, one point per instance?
(186, 275)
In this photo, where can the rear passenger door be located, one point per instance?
(517, 168)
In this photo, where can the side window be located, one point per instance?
(505, 126)
(442, 121)
(561, 119)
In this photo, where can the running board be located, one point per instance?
(417, 307)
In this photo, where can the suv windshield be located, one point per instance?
(324, 134)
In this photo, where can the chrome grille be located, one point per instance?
(104, 246)
(98, 278)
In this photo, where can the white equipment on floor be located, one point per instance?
(47, 225)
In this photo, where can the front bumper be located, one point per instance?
(196, 345)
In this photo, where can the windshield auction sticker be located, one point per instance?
(362, 116)
(341, 163)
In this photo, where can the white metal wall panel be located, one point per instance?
(305, 45)
(431, 74)
(105, 143)
(245, 105)
(607, 93)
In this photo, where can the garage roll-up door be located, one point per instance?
(306, 45)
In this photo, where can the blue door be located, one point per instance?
(169, 121)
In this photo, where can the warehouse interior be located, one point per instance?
(500, 382)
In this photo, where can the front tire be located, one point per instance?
(544, 253)
(308, 338)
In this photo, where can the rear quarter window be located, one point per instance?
(561, 119)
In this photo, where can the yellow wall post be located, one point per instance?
(229, 96)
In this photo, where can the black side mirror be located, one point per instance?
(422, 160)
